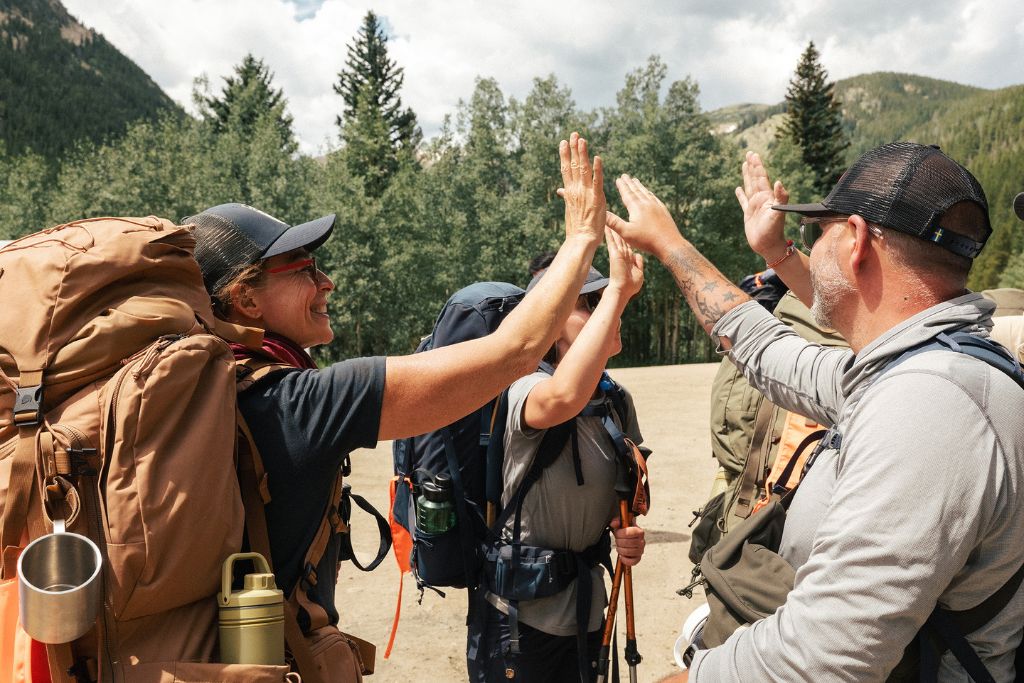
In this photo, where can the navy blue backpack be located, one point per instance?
(470, 450)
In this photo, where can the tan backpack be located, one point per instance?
(116, 406)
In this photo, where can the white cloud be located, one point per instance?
(740, 52)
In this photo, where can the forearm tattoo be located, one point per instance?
(708, 292)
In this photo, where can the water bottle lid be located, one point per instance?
(433, 492)
(443, 481)
(258, 590)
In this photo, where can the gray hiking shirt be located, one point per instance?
(923, 503)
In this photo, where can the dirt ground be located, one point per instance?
(672, 404)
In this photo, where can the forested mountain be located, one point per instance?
(61, 82)
(980, 128)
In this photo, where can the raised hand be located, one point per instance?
(582, 189)
(764, 227)
(625, 269)
(650, 226)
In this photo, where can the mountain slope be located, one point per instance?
(61, 82)
(980, 128)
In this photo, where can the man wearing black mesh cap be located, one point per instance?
(922, 501)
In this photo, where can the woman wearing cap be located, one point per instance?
(304, 420)
(572, 503)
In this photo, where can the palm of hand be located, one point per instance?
(764, 227)
(626, 269)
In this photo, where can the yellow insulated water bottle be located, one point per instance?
(251, 620)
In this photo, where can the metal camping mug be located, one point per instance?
(59, 586)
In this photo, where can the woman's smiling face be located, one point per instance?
(293, 299)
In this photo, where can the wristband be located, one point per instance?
(790, 250)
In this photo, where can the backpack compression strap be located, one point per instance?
(28, 416)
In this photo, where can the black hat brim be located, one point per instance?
(817, 209)
(309, 235)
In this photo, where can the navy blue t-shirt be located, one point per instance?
(304, 423)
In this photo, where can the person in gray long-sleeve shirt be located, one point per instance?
(923, 504)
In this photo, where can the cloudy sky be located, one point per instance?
(739, 51)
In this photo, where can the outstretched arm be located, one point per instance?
(425, 391)
(650, 227)
(765, 227)
(562, 396)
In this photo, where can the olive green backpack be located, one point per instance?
(747, 431)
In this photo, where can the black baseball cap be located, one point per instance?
(232, 237)
(906, 187)
(1018, 205)
(595, 281)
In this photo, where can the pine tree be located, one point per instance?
(246, 96)
(375, 128)
(814, 121)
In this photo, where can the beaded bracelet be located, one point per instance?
(790, 250)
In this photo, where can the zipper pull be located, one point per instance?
(149, 360)
(696, 580)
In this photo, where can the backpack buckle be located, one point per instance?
(28, 405)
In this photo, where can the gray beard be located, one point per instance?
(829, 285)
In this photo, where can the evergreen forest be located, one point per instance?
(420, 218)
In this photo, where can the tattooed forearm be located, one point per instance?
(708, 292)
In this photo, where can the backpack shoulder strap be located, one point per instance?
(28, 417)
(551, 445)
(330, 523)
(249, 462)
(249, 371)
(757, 460)
(982, 348)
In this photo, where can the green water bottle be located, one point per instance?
(435, 511)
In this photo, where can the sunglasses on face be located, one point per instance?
(306, 266)
(589, 301)
(813, 227)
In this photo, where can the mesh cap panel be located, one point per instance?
(222, 250)
(908, 187)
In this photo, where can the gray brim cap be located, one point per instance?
(231, 237)
(595, 281)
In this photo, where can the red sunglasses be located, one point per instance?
(308, 265)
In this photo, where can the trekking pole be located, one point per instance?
(632, 654)
(613, 603)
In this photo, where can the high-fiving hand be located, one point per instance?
(764, 227)
(625, 269)
(650, 226)
(582, 189)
